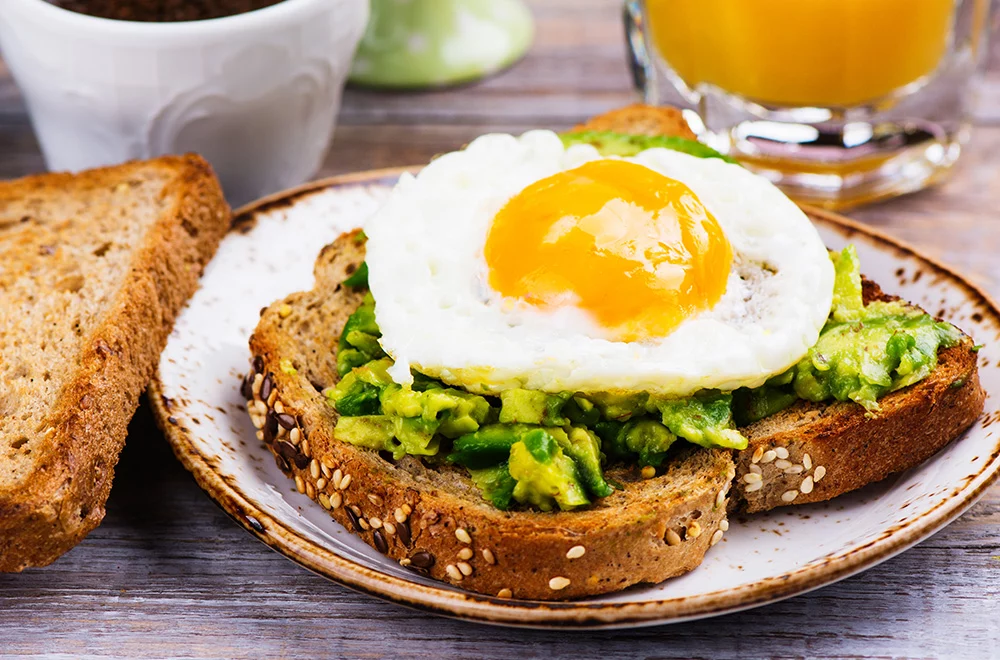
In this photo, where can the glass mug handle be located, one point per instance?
(640, 63)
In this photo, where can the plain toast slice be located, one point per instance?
(435, 521)
(93, 269)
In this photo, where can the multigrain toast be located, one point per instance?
(812, 452)
(93, 269)
(435, 521)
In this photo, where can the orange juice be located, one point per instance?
(825, 53)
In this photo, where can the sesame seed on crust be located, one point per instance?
(819, 473)
(452, 571)
(768, 456)
(789, 495)
(757, 454)
(575, 552)
(807, 486)
(462, 535)
(505, 593)
(781, 452)
(558, 583)
(716, 537)
(489, 556)
(672, 537)
(465, 553)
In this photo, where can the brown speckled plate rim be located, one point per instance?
(570, 614)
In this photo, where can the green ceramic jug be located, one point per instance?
(433, 43)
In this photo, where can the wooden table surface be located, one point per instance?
(168, 574)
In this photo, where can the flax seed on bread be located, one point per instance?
(434, 520)
(93, 269)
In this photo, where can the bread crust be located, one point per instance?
(64, 498)
(434, 521)
(640, 119)
(812, 452)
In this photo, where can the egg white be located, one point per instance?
(438, 314)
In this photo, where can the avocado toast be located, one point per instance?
(661, 504)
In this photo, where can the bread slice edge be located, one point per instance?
(64, 499)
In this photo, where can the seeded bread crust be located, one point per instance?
(812, 452)
(434, 521)
(51, 498)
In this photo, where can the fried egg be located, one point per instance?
(517, 262)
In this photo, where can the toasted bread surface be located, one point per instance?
(812, 452)
(93, 269)
(640, 119)
(434, 520)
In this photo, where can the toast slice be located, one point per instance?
(812, 452)
(435, 521)
(640, 119)
(93, 269)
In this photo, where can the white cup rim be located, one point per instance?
(285, 10)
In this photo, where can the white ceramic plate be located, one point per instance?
(270, 254)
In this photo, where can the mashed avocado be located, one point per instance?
(863, 351)
(549, 450)
(610, 143)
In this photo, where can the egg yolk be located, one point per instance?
(635, 249)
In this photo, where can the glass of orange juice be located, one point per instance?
(839, 102)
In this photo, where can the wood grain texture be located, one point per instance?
(168, 574)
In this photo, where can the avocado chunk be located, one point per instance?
(359, 278)
(619, 407)
(891, 346)
(610, 143)
(371, 431)
(546, 477)
(496, 484)
(582, 412)
(519, 406)
(488, 446)
(353, 397)
(358, 342)
(751, 405)
(584, 447)
(848, 300)
(643, 440)
(863, 352)
(353, 394)
(705, 419)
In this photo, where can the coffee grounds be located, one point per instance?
(163, 11)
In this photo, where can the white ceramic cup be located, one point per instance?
(256, 94)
